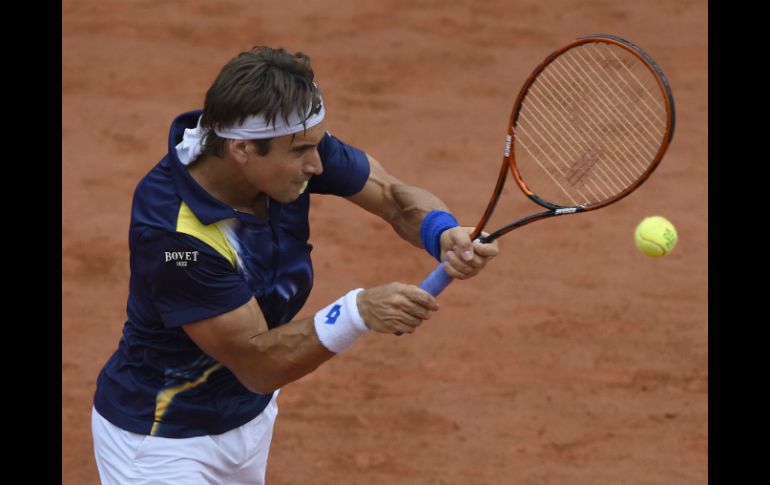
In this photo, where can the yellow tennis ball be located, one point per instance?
(655, 236)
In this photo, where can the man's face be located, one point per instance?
(284, 172)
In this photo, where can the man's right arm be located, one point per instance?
(265, 360)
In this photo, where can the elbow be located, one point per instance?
(263, 388)
(259, 385)
(254, 374)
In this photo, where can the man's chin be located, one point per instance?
(287, 198)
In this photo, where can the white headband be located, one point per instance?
(252, 128)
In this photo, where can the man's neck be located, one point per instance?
(220, 178)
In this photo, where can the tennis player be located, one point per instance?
(220, 266)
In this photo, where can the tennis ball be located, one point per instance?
(655, 236)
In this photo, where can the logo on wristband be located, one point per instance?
(333, 314)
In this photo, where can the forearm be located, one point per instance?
(403, 206)
(287, 353)
(413, 204)
(277, 357)
(284, 355)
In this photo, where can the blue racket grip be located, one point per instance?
(436, 281)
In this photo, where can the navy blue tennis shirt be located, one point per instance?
(192, 258)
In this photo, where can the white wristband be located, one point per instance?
(339, 324)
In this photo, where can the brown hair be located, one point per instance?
(264, 81)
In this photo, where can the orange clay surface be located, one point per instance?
(573, 359)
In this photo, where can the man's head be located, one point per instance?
(264, 82)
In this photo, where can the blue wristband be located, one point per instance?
(431, 228)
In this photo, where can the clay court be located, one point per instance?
(573, 359)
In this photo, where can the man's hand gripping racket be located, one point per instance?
(590, 124)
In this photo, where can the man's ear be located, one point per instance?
(237, 149)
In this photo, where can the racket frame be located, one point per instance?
(509, 162)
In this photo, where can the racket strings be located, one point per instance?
(660, 111)
(617, 150)
(614, 106)
(570, 138)
(589, 126)
(604, 112)
(606, 120)
(609, 108)
(599, 187)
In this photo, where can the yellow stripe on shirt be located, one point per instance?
(165, 396)
(187, 223)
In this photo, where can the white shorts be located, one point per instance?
(238, 456)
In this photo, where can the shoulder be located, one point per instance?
(155, 201)
(346, 168)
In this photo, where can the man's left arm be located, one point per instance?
(405, 206)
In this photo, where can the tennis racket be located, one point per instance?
(589, 126)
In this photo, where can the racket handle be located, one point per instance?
(436, 282)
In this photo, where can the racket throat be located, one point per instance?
(559, 211)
